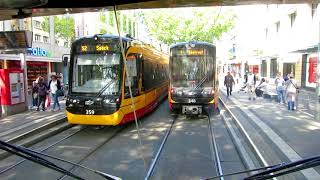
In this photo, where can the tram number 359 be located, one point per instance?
(89, 111)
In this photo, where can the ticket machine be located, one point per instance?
(12, 91)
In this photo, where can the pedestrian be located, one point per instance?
(54, 86)
(261, 88)
(251, 83)
(292, 91)
(35, 92)
(229, 82)
(42, 93)
(279, 82)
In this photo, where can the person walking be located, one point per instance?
(229, 82)
(54, 86)
(292, 91)
(251, 83)
(279, 82)
(42, 93)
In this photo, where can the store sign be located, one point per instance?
(38, 52)
(313, 69)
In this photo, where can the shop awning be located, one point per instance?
(29, 58)
(310, 49)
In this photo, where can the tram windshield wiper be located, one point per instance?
(202, 81)
(275, 170)
(37, 157)
(286, 168)
(105, 87)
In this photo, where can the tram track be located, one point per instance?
(28, 137)
(42, 150)
(210, 154)
(55, 147)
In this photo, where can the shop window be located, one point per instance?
(45, 39)
(266, 33)
(277, 26)
(264, 68)
(65, 44)
(292, 18)
(37, 37)
(314, 7)
(273, 68)
(37, 24)
(288, 68)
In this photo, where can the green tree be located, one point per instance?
(63, 27)
(186, 24)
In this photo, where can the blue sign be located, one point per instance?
(37, 51)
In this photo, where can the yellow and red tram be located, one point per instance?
(193, 77)
(98, 86)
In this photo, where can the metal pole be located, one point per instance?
(317, 116)
(24, 68)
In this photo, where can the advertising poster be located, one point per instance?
(312, 70)
(16, 88)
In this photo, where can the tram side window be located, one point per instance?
(133, 77)
(148, 73)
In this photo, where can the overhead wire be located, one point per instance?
(129, 83)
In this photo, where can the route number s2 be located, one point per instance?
(89, 111)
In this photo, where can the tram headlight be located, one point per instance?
(208, 91)
(106, 101)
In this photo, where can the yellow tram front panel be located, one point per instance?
(111, 119)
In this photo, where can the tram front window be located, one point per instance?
(94, 73)
(192, 72)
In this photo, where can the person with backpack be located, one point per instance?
(279, 82)
(42, 93)
(55, 88)
(292, 92)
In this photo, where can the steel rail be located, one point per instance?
(214, 148)
(155, 159)
(120, 128)
(44, 149)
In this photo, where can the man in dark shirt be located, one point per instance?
(229, 82)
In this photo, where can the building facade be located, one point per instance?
(42, 59)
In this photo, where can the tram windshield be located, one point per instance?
(192, 71)
(92, 72)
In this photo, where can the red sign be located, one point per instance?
(313, 61)
(33, 63)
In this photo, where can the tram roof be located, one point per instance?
(9, 9)
(191, 42)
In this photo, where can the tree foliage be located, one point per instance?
(63, 27)
(186, 24)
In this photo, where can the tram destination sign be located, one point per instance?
(15, 40)
(96, 48)
(191, 52)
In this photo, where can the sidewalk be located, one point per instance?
(294, 133)
(306, 100)
(17, 124)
